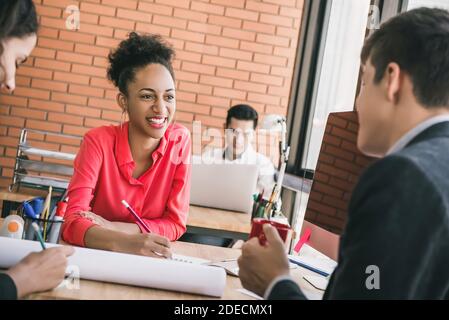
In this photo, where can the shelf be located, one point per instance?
(40, 166)
(43, 181)
(46, 153)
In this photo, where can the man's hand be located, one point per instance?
(40, 271)
(260, 265)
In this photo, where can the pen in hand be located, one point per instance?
(140, 222)
(136, 216)
(39, 235)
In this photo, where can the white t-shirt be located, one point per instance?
(265, 180)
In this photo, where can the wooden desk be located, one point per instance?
(216, 222)
(95, 290)
(100, 290)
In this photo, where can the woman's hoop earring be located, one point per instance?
(122, 119)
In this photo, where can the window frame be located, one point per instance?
(307, 65)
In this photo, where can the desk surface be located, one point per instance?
(101, 290)
(217, 219)
(94, 290)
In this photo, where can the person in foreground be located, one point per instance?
(398, 216)
(18, 27)
(144, 161)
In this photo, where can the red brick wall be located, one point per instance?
(339, 166)
(228, 51)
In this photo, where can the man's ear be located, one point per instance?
(393, 74)
(122, 101)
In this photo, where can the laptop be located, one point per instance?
(224, 186)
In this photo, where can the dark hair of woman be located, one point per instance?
(137, 51)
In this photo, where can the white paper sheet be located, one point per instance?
(250, 293)
(321, 263)
(188, 259)
(232, 268)
(318, 282)
(310, 295)
(128, 269)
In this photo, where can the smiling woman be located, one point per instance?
(143, 161)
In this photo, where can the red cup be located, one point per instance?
(284, 230)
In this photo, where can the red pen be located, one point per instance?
(138, 219)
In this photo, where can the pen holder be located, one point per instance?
(259, 209)
(50, 227)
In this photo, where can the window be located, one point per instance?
(339, 72)
(413, 4)
(334, 80)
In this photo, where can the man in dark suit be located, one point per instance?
(396, 241)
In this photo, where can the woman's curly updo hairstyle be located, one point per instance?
(137, 52)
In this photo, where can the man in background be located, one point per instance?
(240, 128)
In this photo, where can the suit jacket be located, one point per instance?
(396, 240)
(8, 290)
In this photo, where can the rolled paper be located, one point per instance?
(127, 269)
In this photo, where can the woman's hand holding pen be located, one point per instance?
(146, 244)
(132, 241)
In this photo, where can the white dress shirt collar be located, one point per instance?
(413, 133)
